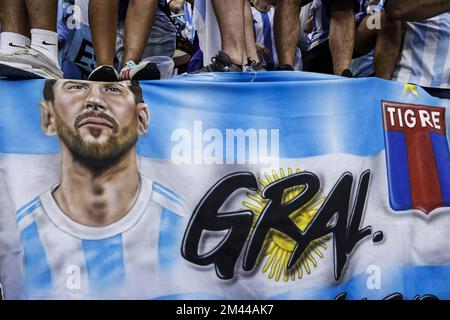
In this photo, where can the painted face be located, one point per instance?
(97, 121)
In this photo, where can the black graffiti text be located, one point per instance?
(336, 216)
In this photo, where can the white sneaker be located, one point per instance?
(13, 70)
(28, 63)
(145, 70)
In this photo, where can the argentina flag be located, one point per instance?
(224, 186)
(205, 22)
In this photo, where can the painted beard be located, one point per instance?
(93, 155)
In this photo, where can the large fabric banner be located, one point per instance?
(224, 186)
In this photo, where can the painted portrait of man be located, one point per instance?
(95, 233)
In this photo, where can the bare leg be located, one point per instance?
(250, 43)
(287, 28)
(138, 25)
(386, 42)
(342, 34)
(387, 49)
(42, 14)
(103, 21)
(230, 16)
(365, 38)
(14, 17)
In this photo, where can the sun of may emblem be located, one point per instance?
(278, 247)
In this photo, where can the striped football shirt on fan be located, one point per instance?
(425, 59)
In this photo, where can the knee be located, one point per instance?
(342, 5)
(292, 5)
(388, 24)
(395, 11)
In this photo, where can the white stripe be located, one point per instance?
(403, 70)
(319, 35)
(84, 10)
(430, 52)
(168, 195)
(29, 219)
(64, 253)
(409, 66)
(165, 202)
(208, 32)
(140, 252)
(446, 75)
(19, 213)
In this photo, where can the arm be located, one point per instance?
(417, 9)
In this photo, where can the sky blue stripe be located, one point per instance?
(398, 172)
(25, 206)
(165, 194)
(28, 211)
(316, 114)
(408, 280)
(267, 32)
(38, 278)
(171, 192)
(443, 45)
(200, 6)
(442, 156)
(418, 50)
(104, 262)
(170, 236)
(187, 14)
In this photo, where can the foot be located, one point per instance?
(221, 63)
(253, 66)
(28, 64)
(347, 73)
(104, 73)
(285, 67)
(145, 70)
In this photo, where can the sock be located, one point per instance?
(11, 42)
(46, 42)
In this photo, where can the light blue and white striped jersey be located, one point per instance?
(363, 66)
(425, 59)
(264, 35)
(321, 24)
(320, 10)
(127, 259)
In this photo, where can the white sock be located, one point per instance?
(46, 42)
(11, 42)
